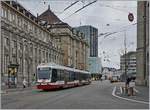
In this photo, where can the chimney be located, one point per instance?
(37, 18)
(48, 7)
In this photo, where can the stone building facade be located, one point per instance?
(142, 43)
(73, 42)
(24, 42)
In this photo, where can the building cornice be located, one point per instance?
(27, 18)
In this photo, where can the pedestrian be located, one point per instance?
(24, 83)
(128, 81)
(33, 79)
(101, 79)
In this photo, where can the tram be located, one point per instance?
(52, 76)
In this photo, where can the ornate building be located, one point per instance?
(73, 42)
(24, 42)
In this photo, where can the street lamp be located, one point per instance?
(28, 72)
(125, 48)
(125, 54)
(27, 59)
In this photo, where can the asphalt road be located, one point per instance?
(97, 95)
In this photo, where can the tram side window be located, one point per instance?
(76, 76)
(54, 75)
(58, 75)
(71, 76)
(80, 76)
(62, 75)
(66, 75)
(88, 76)
(85, 76)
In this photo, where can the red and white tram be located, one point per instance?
(53, 76)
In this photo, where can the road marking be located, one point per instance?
(121, 90)
(136, 90)
(113, 93)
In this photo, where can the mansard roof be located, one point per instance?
(50, 17)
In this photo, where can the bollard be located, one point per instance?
(122, 89)
(126, 90)
(130, 91)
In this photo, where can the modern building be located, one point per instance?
(24, 43)
(91, 34)
(95, 67)
(128, 64)
(73, 43)
(142, 43)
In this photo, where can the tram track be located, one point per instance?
(58, 97)
(46, 97)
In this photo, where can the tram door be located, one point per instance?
(54, 75)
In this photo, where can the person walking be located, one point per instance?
(128, 81)
(101, 79)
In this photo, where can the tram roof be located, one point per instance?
(56, 66)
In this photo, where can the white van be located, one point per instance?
(114, 79)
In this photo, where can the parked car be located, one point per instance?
(103, 78)
(114, 79)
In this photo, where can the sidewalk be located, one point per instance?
(141, 94)
(5, 90)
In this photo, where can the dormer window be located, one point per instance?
(21, 10)
(32, 17)
(27, 14)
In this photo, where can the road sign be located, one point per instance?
(131, 17)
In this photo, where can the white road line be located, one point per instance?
(136, 90)
(113, 93)
(121, 90)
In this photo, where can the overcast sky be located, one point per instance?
(107, 16)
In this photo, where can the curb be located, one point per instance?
(122, 90)
(3, 92)
(15, 90)
(132, 100)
